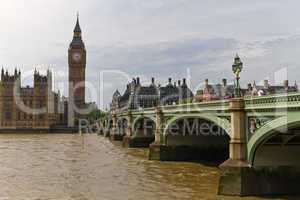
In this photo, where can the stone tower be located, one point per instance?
(77, 63)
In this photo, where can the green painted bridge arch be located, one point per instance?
(142, 117)
(196, 136)
(221, 122)
(283, 125)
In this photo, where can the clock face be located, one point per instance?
(76, 56)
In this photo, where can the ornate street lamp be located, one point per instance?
(237, 69)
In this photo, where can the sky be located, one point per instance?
(194, 39)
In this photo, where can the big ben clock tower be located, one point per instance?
(77, 63)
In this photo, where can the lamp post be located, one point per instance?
(237, 69)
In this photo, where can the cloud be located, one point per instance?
(159, 38)
(202, 58)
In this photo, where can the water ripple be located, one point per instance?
(90, 167)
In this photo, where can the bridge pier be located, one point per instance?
(239, 177)
(114, 132)
(155, 148)
(139, 136)
(127, 138)
(259, 181)
(234, 169)
(107, 128)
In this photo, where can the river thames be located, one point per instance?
(90, 167)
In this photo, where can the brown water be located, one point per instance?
(91, 167)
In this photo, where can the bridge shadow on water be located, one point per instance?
(280, 197)
(207, 163)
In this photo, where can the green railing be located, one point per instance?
(285, 100)
(200, 106)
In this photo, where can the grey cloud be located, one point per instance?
(128, 35)
(204, 58)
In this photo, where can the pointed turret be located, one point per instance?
(77, 28)
(77, 40)
(116, 93)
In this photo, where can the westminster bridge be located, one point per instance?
(258, 137)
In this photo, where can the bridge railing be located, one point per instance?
(219, 105)
(285, 100)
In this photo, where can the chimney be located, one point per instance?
(138, 80)
(170, 80)
(152, 80)
(184, 81)
(224, 82)
(286, 83)
(249, 86)
(266, 84)
(206, 82)
(179, 82)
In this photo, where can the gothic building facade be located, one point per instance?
(28, 107)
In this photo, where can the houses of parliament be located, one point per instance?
(39, 107)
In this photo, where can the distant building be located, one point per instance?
(169, 94)
(224, 91)
(137, 96)
(174, 94)
(211, 92)
(267, 89)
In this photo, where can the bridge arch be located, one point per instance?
(221, 122)
(197, 137)
(144, 126)
(122, 124)
(283, 126)
(137, 119)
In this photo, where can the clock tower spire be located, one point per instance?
(77, 64)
